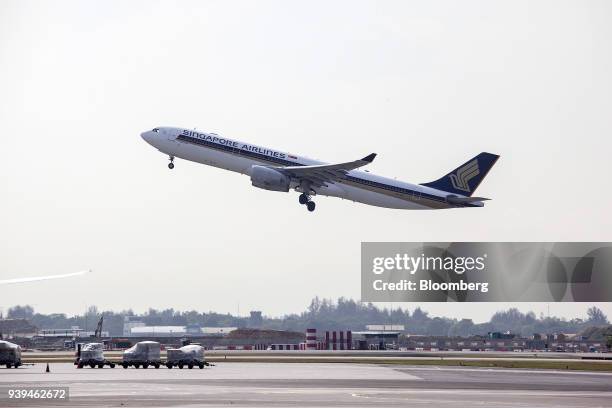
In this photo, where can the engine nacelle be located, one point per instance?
(269, 179)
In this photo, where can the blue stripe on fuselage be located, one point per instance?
(285, 162)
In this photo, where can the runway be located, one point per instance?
(314, 385)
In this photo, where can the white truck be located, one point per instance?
(191, 356)
(10, 354)
(144, 353)
(92, 354)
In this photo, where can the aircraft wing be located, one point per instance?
(321, 174)
(39, 278)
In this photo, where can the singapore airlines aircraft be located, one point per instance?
(281, 171)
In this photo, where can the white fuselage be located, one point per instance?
(233, 155)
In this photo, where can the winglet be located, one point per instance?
(369, 158)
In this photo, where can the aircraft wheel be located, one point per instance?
(303, 198)
(311, 206)
(170, 166)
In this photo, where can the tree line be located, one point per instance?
(323, 314)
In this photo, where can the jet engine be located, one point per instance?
(269, 179)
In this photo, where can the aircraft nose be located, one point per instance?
(147, 136)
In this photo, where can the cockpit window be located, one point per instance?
(156, 130)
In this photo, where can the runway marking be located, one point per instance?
(488, 392)
(504, 370)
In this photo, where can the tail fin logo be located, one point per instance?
(462, 177)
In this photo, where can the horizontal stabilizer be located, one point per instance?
(453, 199)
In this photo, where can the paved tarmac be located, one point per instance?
(313, 385)
(322, 354)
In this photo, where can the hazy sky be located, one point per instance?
(426, 85)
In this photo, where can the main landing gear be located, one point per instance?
(305, 199)
(171, 164)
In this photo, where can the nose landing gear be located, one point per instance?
(305, 200)
(171, 164)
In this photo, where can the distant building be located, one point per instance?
(158, 331)
(385, 327)
(256, 319)
(211, 331)
(378, 336)
(193, 329)
(129, 322)
(500, 335)
(178, 331)
(73, 331)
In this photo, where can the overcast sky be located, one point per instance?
(426, 85)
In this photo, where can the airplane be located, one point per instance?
(277, 170)
(39, 278)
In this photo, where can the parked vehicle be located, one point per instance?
(144, 353)
(190, 356)
(92, 354)
(10, 354)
